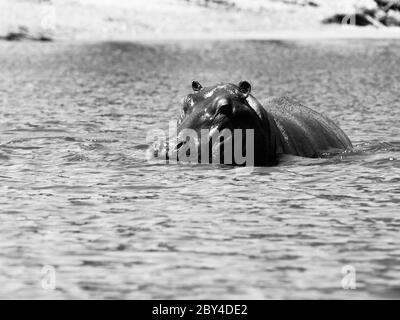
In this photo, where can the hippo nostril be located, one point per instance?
(224, 106)
(180, 144)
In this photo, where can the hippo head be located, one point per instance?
(219, 124)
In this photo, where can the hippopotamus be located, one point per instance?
(278, 126)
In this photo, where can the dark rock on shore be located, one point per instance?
(24, 34)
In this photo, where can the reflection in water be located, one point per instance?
(78, 194)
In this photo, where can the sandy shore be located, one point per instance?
(172, 19)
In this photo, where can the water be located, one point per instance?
(78, 194)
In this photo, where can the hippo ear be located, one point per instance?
(196, 86)
(244, 88)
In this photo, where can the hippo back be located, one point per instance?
(303, 131)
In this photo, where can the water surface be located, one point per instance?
(77, 193)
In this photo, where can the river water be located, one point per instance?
(81, 206)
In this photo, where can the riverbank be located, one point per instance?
(171, 19)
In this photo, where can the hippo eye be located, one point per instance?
(244, 88)
(196, 86)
